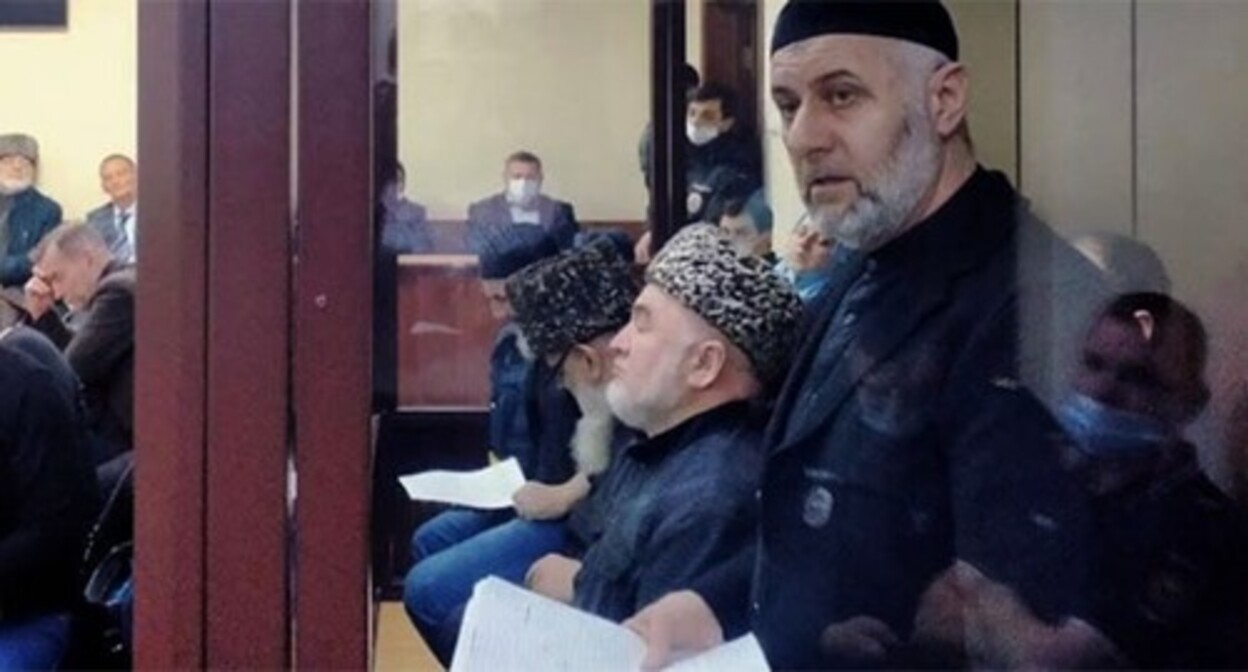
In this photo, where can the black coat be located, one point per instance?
(48, 493)
(101, 352)
(906, 436)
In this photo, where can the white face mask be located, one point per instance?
(522, 191)
(700, 135)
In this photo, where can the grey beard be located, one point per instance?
(14, 187)
(591, 440)
(880, 214)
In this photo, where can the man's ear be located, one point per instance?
(949, 98)
(707, 363)
(590, 361)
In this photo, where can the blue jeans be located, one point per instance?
(35, 643)
(437, 587)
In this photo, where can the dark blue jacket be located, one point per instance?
(678, 506)
(531, 416)
(509, 393)
(906, 437)
(31, 216)
(729, 166)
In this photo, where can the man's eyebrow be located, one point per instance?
(839, 73)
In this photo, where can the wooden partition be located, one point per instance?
(445, 333)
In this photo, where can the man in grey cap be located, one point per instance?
(25, 214)
(909, 463)
(709, 333)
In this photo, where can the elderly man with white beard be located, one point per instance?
(26, 215)
(712, 331)
(567, 308)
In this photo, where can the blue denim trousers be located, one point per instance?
(460, 547)
(35, 643)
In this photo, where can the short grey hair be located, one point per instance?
(72, 239)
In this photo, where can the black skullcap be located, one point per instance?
(504, 250)
(924, 22)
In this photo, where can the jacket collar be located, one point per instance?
(686, 433)
(960, 236)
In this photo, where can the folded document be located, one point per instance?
(489, 488)
(509, 628)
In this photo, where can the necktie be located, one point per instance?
(124, 249)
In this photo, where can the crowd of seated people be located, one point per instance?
(843, 446)
(66, 445)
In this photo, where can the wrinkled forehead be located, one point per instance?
(871, 59)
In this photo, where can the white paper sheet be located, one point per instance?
(506, 627)
(489, 488)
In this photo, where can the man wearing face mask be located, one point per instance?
(566, 308)
(522, 203)
(1172, 568)
(711, 331)
(26, 215)
(724, 160)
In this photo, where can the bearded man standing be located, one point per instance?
(909, 440)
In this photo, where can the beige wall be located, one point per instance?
(568, 80)
(987, 35)
(75, 90)
(1176, 179)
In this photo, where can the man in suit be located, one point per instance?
(522, 204)
(73, 265)
(26, 215)
(906, 444)
(117, 220)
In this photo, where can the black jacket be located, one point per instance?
(48, 492)
(906, 436)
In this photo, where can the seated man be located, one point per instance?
(117, 220)
(519, 394)
(1172, 575)
(522, 204)
(746, 221)
(25, 214)
(404, 223)
(711, 331)
(47, 502)
(806, 261)
(73, 265)
(567, 308)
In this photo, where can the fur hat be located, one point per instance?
(21, 145)
(572, 298)
(737, 294)
(924, 22)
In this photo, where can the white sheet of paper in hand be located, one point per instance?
(506, 627)
(489, 488)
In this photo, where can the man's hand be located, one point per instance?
(860, 640)
(39, 298)
(808, 250)
(538, 501)
(553, 576)
(674, 626)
